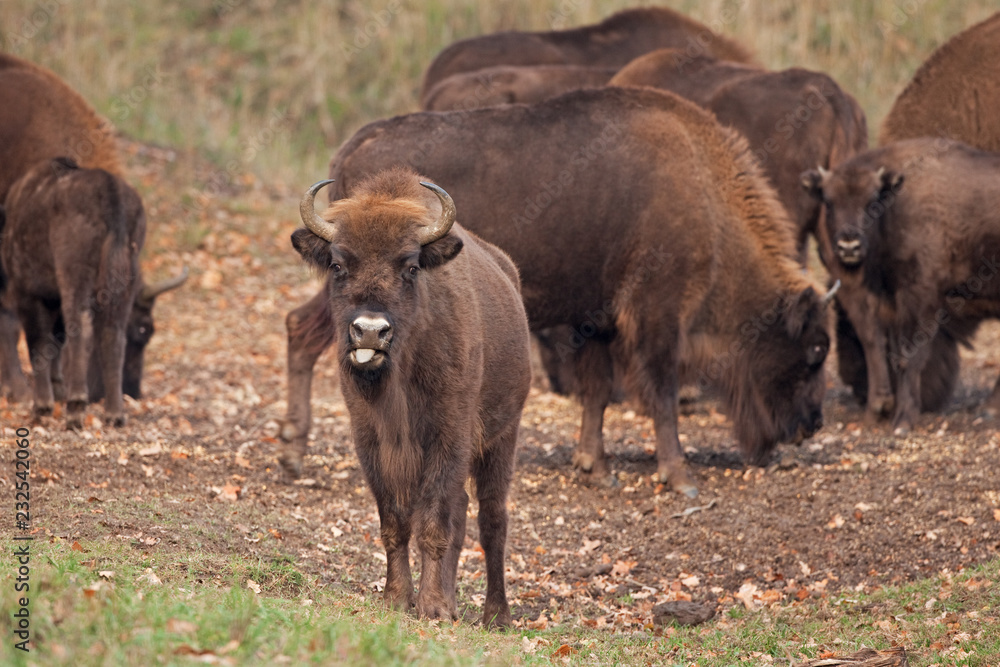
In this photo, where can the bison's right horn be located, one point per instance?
(832, 292)
(307, 209)
(150, 292)
(823, 173)
(444, 223)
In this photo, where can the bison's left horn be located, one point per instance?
(307, 209)
(150, 292)
(828, 297)
(444, 223)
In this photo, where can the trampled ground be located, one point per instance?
(196, 467)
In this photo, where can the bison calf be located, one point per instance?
(432, 342)
(919, 222)
(70, 252)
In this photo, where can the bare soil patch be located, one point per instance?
(196, 467)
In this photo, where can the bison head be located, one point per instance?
(855, 200)
(374, 248)
(779, 384)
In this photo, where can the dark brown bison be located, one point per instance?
(794, 119)
(636, 218)
(70, 251)
(955, 93)
(611, 43)
(432, 343)
(510, 84)
(42, 118)
(919, 222)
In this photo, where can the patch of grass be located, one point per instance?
(200, 602)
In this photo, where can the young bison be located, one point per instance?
(918, 222)
(70, 251)
(432, 342)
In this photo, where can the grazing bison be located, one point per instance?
(636, 218)
(919, 222)
(70, 250)
(43, 118)
(511, 84)
(432, 343)
(955, 93)
(611, 43)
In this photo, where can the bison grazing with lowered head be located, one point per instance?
(919, 222)
(70, 251)
(432, 343)
(511, 84)
(43, 118)
(637, 219)
(955, 94)
(611, 43)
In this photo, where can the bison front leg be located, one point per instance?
(13, 384)
(75, 361)
(861, 309)
(911, 351)
(595, 378)
(493, 471)
(309, 333)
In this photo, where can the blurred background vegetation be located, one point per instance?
(273, 87)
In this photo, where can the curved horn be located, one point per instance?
(307, 209)
(828, 297)
(150, 292)
(444, 223)
(823, 173)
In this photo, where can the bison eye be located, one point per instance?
(413, 271)
(335, 268)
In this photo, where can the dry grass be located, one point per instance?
(274, 86)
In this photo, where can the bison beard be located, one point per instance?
(685, 197)
(432, 343)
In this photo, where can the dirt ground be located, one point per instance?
(196, 467)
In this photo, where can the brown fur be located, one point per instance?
(41, 118)
(955, 94)
(924, 214)
(444, 400)
(662, 242)
(70, 251)
(510, 84)
(612, 43)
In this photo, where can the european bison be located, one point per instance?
(637, 219)
(432, 343)
(511, 84)
(611, 43)
(70, 251)
(919, 222)
(955, 93)
(793, 119)
(43, 118)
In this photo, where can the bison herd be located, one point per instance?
(638, 194)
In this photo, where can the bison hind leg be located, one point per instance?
(13, 384)
(940, 375)
(492, 471)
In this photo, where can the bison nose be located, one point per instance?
(849, 246)
(371, 332)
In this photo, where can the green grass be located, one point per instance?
(202, 603)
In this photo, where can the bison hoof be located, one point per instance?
(583, 461)
(291, 463)
(882, 406)
(679, 481)
(498, 619)
(434, 608)
(42, 411)
(119, 421)
(74, 422)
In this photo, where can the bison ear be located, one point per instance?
(891, 181)
(438, 252)
(800, 311)
(812, 182)
(314, 250)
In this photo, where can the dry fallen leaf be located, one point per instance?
(76, 547)
(746, 594)
(253, 585)
(691, 581)
(106, 574)
(996, 514)
(836, 522)
(230, 492)
(151, 451)
(623, 567)
(563, 651)
(967, 520)
(149, 577)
